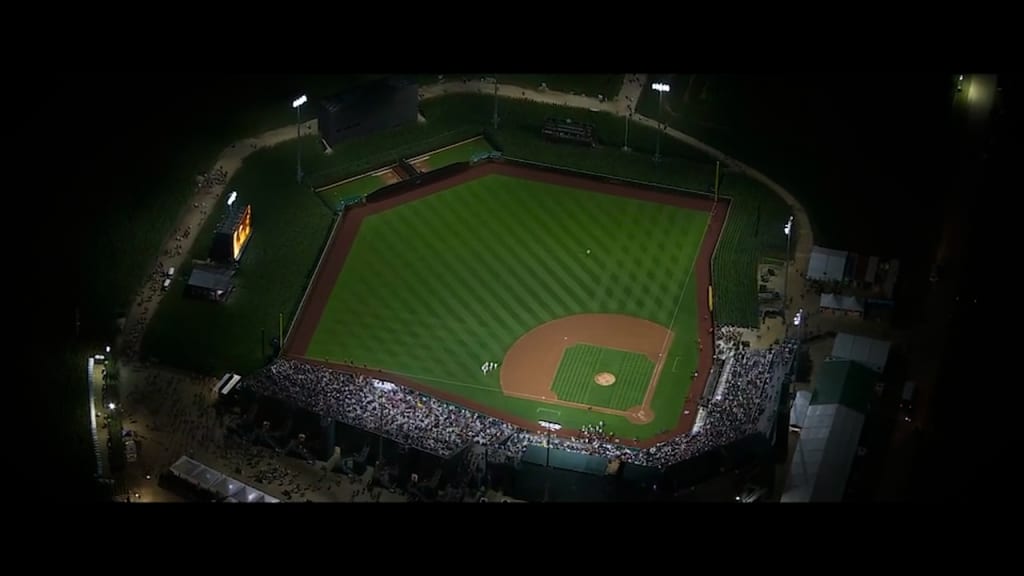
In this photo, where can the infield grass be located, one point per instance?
(433, 288)
(574, 381)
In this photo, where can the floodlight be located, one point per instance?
(661, 87)
(111, 405)
(299, 101)
(232, 197)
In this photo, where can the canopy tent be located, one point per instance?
(798, 413)
(868, 351)
(831, 432)
(838, 302)
(230, 489)
(826, 264)
(824, 454)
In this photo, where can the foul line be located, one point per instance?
(445, 380)
(649, 396)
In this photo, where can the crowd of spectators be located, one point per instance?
(381, 407)
(744, 396)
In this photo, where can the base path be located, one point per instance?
(530, 365)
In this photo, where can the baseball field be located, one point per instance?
(589, 298)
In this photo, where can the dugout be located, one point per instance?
(370, 107)
(210, 282)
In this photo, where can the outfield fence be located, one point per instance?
(614, 179)
(311, 278)
(334, 176)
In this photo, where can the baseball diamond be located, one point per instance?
(426, 285)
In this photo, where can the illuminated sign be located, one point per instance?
(242, 232)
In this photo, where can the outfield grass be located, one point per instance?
(290, 226)
(574, 381)
(434, 287)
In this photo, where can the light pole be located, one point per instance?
(297, 104)
(548, 427)
(788, 229)
(495, 102)
(661, 88)
(625, 142)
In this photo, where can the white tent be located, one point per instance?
(826, 264)
(798, 413)
(824, 454)
(228, 488)
(868, 351)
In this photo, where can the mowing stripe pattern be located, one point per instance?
(436, 287)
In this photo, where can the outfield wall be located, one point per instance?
(309, 279)
(615, 179)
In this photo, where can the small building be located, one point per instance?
(830, 434)
(210, 282)
(870, 352)
(370, 107)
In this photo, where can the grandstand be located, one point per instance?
(406, 422)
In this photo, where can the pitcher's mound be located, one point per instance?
(604, 379)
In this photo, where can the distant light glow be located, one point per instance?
(299, 101)
(661, 87)
(232, 197)
(798, 317)
(788, 227)
(108, 349)
(111, 405)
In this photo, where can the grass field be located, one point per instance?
(434, 287)
(574, 380)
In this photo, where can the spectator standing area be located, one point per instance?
(587, 298)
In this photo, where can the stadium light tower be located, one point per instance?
(625, 142)
(788, 229)
(495, 102)
(661, 88)
(297, 104)
(548, 427)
